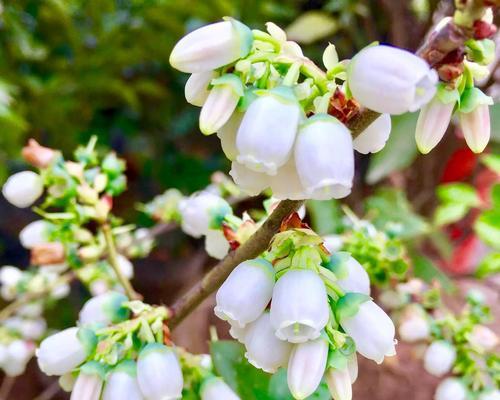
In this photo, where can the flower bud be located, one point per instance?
(439, 358)
(246, 292)
(201, 212)
(122, 383)
(65, 350)
(286, 183)
(159, 373)
(227, 135)
(275, 111)
(374, 137)
(196, 89)
(264, 349)
(212, 46)
(23, 189)
(483, 338)
(372, 331)
(220, 104)
(414, 325)
(299, 309)
(216, 389)
(33, 329)
(88, 385)
(249, 181)
(104, 309)
(216, 244)
(493, 394)
(352, 367)
(339, 383)
(9, 278)
(451, 389)
(125, 265)
(476, 127)
(325, 158)
(432, 124)
(19, 351)
(47, 253)
(306, 367)
(390, 80)
(355, 278)
(38, 156)
(34, 233)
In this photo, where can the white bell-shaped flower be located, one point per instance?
(373, 138)
(339, 383)
(246, 292)
(299, 309)
(390, 80)
(215, 388)
(200, 211)
(354, 278)
(34, 233)
(19, 351)
(212, 46)
(492, 394)
(88, 385)
(264, 349)
(476, 127)
(451, 389)
(34, 329)
(220, 104)
(483, 338)
(126, 266)
(10, 276)
(267, 132)
(286, 183)
(23, 189)
(216, 244)
(413, 325)
(372, 331)
(196, 89)
(324, 157)
(432, 124)
(122, 383)
(439, 358)
(159, 373)
(238, 332)
(104, 309)
(249, 181)
(306, 367)
(65, 350)
(227, 135)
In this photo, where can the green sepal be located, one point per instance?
(447, 95)
(248, 97)
(336, 360)
(337, 263)
(473, 97)
(127, 366)
(481, 51)
(88, 339)
(230, 80)
(115, 307)
(94, 368)
(348, 305)
(245, 35)
(154, 347)
(319, 118)
(218, 214)
(284, 94)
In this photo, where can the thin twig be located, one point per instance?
(113, 260)
(7, 384)
(49, 392)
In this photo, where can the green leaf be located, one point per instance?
(448, 213)
(481, 51)
(489, 265)
(326, 216)
(348, 305)
(495, 124)
(399, 152)
(487, 226)
(460, 193)
(492, 161)
(249, 382)
(312, 26)
(425, 269)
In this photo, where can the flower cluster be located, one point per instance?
(280, 118)
(320, 313)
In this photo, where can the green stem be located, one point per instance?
(267, 38)
(113, 260)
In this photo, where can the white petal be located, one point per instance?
(218, 108)
(450, 389)
(339, 383)
(196, 89)
(23, 189)
(286, 183)
(373, 138)
(432, 124)
(87, 387)
(227, 135)
(357, 279)
(34, 233)
(216, 244)
(216, 389)
(439, 358)
(476, 127)
(249, 181)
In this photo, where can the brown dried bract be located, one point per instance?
(342, 108)
(47, 254)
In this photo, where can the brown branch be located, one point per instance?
(252, 248)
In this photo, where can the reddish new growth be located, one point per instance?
(483, 30)
(230, 236)
(342, 108)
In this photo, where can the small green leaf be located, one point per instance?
(312, 26)
(481, 51)
(425, 269)
(489, 265)
(487, 226)
(348, 305)
(448, 213)
(460, 193)
(326, 216)
(492, 161)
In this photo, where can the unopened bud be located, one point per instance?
(47, 253)
(38, 156)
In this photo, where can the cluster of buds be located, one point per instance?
(281, 119)
(458, 68)
(300, 307)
